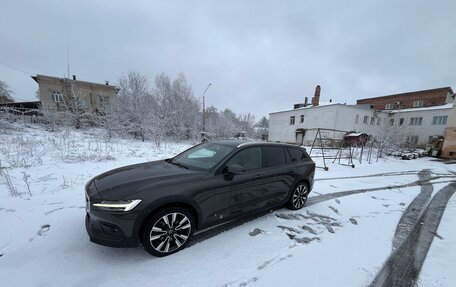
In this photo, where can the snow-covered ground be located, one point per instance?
(357, 221)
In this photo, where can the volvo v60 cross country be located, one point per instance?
(162, 203)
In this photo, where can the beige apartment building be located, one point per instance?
(449, 143)
(64, 94)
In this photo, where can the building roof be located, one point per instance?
(442, 107)
(38, 77)
(444, 89)
(22, 105)
(322, 105)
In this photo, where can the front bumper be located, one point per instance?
(108, 234)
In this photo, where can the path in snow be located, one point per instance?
(395, 173)
(206, 234)
(413, 212)
(404, 265)
(329, 196)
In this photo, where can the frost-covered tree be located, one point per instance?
(389, 134)
(133, 104)
(262, 128)
(178, 111)
(246, 122)
(77, 114)
(5, 93)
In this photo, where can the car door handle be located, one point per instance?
(258, 176)
(291, 170)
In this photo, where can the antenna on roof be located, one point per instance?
(68, 56)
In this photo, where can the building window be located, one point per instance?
(372, 120)
(392, 122)
(104, 100)
(401, 121)
(388, 106)
(412, 139)
(417, 104)
(416, 121)
(439, 120)
(57, 97)
(356, 119)
(378, 121)
(430, 139)
(365, 120)
(292, 120)
(302, 119)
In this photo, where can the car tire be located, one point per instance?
(168, 231)
(298, 196)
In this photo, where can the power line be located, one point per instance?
(24, 100)
(15, 68)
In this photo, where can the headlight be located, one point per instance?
(117, 205)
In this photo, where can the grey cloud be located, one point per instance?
(261, 56)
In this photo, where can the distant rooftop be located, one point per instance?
(444, 89)
(38, 77)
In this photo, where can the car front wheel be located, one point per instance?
(168, 231)
(298, 196)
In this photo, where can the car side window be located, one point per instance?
(296, 154)
(249, 158)
(274, 156)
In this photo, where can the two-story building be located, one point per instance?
(63, 94)
(449, 143)
(409, 100)
(416, 125)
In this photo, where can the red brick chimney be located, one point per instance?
(316, 97)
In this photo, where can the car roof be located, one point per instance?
(240, 143)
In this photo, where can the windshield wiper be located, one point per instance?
(171, 161)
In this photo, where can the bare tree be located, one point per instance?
(132, 103)
(5, 93)
(177, 108)
(262, 128)
(246, 122)
(389, 134)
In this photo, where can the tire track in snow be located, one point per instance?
(423, 181)
(206, 234)
(394, 173)
(413, 212)
(329, 196)
(404, 265)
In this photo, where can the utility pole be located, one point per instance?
(204, 107)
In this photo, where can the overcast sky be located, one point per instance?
(260, 56)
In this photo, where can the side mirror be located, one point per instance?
(235, 169)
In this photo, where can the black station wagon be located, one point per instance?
(162, 203)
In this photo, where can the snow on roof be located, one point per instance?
(310, 106)
(354, 134)
(446, 106)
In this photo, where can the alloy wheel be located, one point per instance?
(300, 196)
(170, 232)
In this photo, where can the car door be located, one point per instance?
(278, 174)
(302, 166)
(246, 188)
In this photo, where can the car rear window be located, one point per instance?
(296, 154)
(274, 156)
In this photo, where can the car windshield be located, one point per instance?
(203, 156)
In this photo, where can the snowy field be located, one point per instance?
(376, 224)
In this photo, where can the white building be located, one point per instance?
(422, 124)
(416, 125)
(287, 126)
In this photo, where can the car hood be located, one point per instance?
(125, 182)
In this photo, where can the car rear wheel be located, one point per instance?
(168, 231)
(298, 197)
